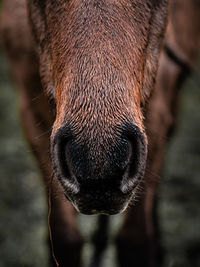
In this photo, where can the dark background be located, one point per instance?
(23, 211)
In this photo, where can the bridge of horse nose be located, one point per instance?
(90, 167)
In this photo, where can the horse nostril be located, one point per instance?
(60, 156)
(137, 160)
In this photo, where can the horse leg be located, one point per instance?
(138, 238)
(37, 118)
(65, 239)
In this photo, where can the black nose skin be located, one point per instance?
(91, 166)
(102, 167)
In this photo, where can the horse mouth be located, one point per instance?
(108, 204)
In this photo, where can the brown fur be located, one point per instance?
(89, 63)
(86, 49)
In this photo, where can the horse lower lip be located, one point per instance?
(88, 211)
(89, 205)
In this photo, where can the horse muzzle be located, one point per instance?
(99, 177)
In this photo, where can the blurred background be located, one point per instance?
(23, 211)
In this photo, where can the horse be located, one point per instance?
(106, 76)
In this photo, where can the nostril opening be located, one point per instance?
(62, 157)
(137, 160)
(60, 153)
(134, 159)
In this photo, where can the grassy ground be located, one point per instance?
(22, 201)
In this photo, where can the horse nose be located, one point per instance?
(83, 166)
